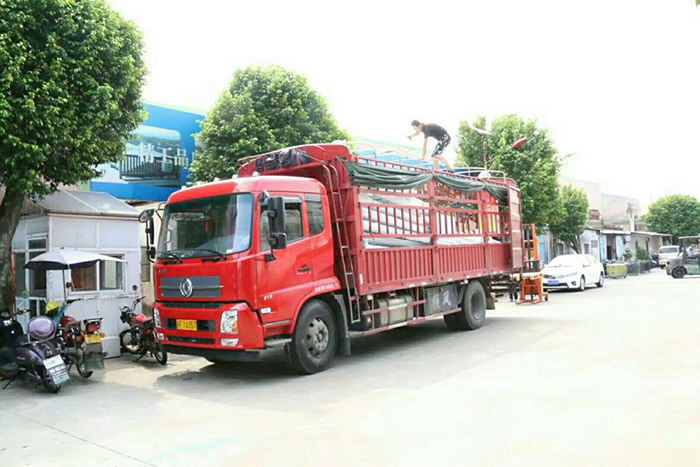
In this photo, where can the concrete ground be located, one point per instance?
(609, 377)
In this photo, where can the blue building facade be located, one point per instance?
(157, 157)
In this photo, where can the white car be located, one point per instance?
(666, 253)
(573, 272)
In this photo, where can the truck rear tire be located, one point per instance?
(473, 311)
(315, 338)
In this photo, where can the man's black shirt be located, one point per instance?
(434, 130)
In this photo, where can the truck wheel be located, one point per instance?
(678, 273)
(315, 338)
(473, 311)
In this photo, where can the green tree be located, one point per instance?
(263, 109)
(678, 215)
(535, 166)
(71, 74)
(570, 223)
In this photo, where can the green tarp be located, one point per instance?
(381, 177)
(393, 179)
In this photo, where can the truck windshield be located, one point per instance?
(213, 226)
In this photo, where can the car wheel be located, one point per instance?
(582, 284)
(601, 280)
(678, 273)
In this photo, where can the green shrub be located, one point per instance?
(642, 254)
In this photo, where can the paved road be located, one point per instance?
(607, 377)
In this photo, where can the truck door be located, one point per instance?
(286, 280)
(516, 227)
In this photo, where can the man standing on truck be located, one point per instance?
(440, 134)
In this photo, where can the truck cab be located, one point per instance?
(235, 262)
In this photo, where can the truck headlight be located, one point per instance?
(229, 322)
(156, 318)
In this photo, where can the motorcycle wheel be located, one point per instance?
(129, 340)
(160, 354)
(80, 366)
(49, 385)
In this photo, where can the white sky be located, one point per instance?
(616, 81)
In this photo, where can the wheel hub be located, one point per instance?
(317, 337)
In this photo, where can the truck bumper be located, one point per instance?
(247, 334)
(215, 354)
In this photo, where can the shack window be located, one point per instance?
(84, 280)
(112, 274)
(314, 209)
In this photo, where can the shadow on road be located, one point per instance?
(409, 358)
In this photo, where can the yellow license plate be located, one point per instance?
(93, 338)
(186, 324)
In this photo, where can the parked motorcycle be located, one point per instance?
(139, 339)
(81, 343)
(34, 357)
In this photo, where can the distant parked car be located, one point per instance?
(573, 272)
(666, 253)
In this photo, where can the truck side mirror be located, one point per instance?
(150, 232)
(146, 215)
(151, 252)
(278, 241)
(275, 214)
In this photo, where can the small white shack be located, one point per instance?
(87, 221)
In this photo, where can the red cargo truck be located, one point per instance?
(310, 245)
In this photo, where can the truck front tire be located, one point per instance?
(315, 338)
(473, 312)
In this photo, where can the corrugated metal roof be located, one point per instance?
(87, 203)
(627, 232)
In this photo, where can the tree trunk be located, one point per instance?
(10, 211)
(576, 246)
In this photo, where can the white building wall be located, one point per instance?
(104, 236)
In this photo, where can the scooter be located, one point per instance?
(34, 357)
(81, 344)
(139, 338)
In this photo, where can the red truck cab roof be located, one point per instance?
(254, 184)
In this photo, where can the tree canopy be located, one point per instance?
(535, 166)
(571, 221)
(263, 109)
(71, 74)
(678, 215)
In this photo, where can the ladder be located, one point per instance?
(338, 214)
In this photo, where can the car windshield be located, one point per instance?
(668, 250)
(566, 261)
(207, 227)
